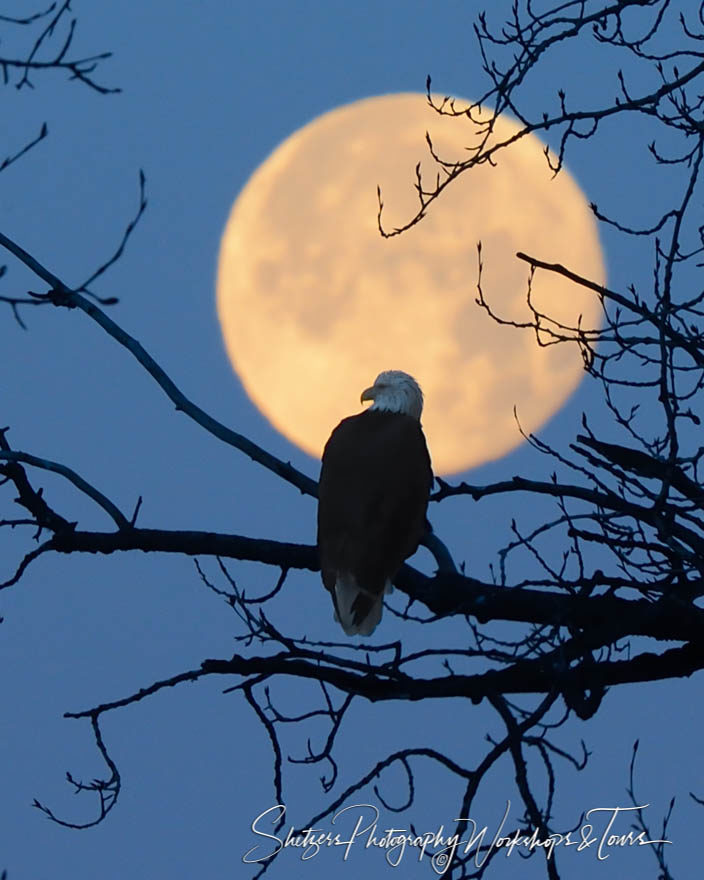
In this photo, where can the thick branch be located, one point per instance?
(526, 677)
(641, 463)
(192, 543)
(445, 594)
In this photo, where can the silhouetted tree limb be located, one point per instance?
(52, 50)
(108, 790)
(9, 160)
(381, 683)
(641, 825)
(63, 296)
(445, 594)
(691, 346)
(534, 38)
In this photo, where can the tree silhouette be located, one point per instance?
(622, 556)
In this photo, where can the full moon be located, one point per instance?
(314, 303)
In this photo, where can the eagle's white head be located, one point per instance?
(395, 391)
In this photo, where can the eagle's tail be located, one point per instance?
(358, 610)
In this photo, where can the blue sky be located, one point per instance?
(208, 91)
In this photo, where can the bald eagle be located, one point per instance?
(373, 495)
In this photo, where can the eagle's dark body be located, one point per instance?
(373, 496)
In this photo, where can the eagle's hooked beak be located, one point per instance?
(368, 394)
